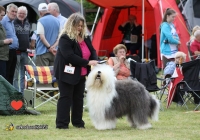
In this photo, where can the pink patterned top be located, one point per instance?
(85, 54)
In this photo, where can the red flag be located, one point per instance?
(178, 77)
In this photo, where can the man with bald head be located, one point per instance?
(48, 28)
(53, 9)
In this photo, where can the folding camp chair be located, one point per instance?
(145, 73)
(191, 81)
(43, 84)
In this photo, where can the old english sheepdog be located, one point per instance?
(109, 99)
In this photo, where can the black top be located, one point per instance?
(69, 51)
(134, 30)
(191, 71)
(145, 74)
(22, 33)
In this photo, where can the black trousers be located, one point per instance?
(10, 66)
(3, 68)
(71, 96)
(132, 47)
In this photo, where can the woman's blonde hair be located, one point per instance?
(180, 56)
(118, 47)
(195, 28)
(70, 28)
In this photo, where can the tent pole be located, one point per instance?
(95, 20)
(143, 30)
(161, 9)
(81, 7)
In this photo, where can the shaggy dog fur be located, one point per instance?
(108, 99)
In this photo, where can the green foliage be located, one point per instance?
(88, 16)
(177, 1)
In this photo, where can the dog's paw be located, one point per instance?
(106, 126)
(144, 126)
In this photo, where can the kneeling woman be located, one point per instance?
(120, 63)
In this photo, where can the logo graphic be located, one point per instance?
(9, 127)
(16, 104)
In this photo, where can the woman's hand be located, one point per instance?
(93, 63)
(116, 66)
(8, 41)
(179, 43)
(122, 59)
(53, 50)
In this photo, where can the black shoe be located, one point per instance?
(79, 126)
(62, 127)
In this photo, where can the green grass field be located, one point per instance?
(175, 123)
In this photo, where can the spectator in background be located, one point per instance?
(132, 34)
(169, 39)
(119, 63)
(33, 40)
(55, 11)
(4, 48)
(195, 44)
(8, 25)
(47, 30)
(192, 37)
(22, 28)
(180, 57)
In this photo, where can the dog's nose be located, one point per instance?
(98, 75)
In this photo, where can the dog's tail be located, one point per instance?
(154, 107)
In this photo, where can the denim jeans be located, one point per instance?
(19, 76)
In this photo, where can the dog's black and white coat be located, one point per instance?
(109, 99)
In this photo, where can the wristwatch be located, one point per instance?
(49, 47)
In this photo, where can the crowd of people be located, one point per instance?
(75, 52)
(64, 44)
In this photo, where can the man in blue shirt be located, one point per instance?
(53, 9)
(8, 25)
(47, 40)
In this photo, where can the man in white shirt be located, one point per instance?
(53, 9)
